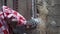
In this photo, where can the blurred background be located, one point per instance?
(33, 8)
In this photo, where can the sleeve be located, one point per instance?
(8, 12)
(20, 18)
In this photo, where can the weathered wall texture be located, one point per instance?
(43, 12)
(10, 3)
(53, 16)
(24, 7)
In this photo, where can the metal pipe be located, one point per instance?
(32, 8)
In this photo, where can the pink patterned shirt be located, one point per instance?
(8, 13)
